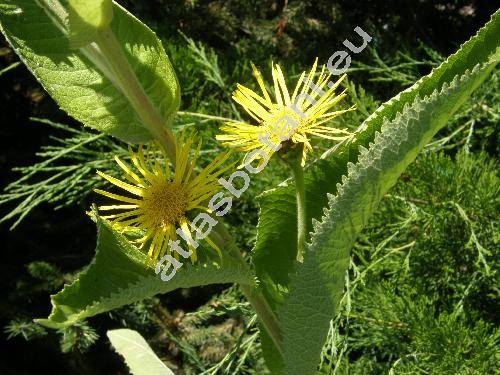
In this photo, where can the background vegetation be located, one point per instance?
(422, 295)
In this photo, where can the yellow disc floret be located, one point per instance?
(164, 203)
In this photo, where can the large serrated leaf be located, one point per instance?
(78, 79)
(482, 47)
(118, 276)
(317, 285)
(275, 250)
(273, 253)
(138, 355)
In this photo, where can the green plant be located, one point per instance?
(113, 79)
(415, 273)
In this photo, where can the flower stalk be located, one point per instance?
(291, 155)
(300, 193)
(125, 79)
(266, 316)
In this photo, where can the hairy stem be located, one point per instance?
(253, 295)
(265, 314)
(298, 175)
(125, 79)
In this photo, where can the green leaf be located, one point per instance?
(276, 245)
(274, 254)
(86, 17)
(138, 355)
(81, 81)
(317, 284)
(118, 276)
(275, 250)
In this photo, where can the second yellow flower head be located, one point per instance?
(297, 116)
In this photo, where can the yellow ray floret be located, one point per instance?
(158, 200)
(293, 117)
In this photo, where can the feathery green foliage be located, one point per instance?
(405, 297)
(65, 175)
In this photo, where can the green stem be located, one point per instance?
(253, 295)
(265, 314)
(126, 81)
(298, 174)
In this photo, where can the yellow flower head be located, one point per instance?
(159, 201)
(290, 118)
